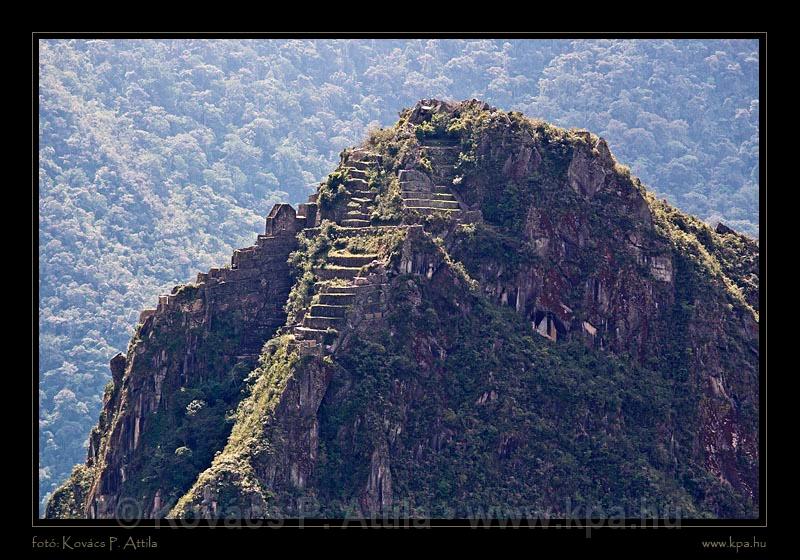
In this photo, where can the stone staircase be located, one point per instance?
(258, 272)
(443, 157)
(338, 283)
(439, 198)
(425, 202)
(336, 288)
(362, 197)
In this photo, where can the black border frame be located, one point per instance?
(718, 528)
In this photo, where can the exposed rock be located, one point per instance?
(661, 268)
(117, 369)
(722, 229)
(505, 222)
(587, 173)
(521, 164)
(378, 493)
(188, 339)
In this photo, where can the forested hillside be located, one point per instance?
(158, 158)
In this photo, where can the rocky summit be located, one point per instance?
(477, 313)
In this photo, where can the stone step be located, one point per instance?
(357, 215)
(337, 272)
(354, 287)
(443, 159)
(428, 195)
(362, 165)
(442, 156)
(325, 310)
(331, 298)
(362, 153)
(355, 223)
(350, 260)
(365, 194)
(356, 173)
(341, 290)
(307, 333)
(356, 184)
(441, 189)
(440, 145)
(345, 231)
(427, 210)
(428, 203)
(365, 208)
(321, 323)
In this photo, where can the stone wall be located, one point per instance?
(196, 333)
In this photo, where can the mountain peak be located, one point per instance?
(474, 306)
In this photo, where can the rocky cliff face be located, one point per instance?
(183, 372)
(485, 312)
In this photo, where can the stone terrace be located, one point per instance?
(361, 203)
(424, 196)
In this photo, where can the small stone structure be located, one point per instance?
(255, 288)
(722, 229)
(282, 220)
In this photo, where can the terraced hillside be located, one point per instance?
(475, 313)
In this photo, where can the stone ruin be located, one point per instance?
(283, 220)
(722, 229)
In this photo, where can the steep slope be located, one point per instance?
(164, 413)
(158, 158)
(489, 315)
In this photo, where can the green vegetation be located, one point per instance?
(389, 204)
(158, 158)
(183, 436)
(478, 244)
(732, 258)
(439, 127)
(469, 408)
(268, 382)
(67, 502)
(502, 419)
(507, 207)
(393, 143)
(333, 191)
(311, 253)
(231, 474)
(314, 250)
(383, 243)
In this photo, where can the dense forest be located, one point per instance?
(158, 158)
